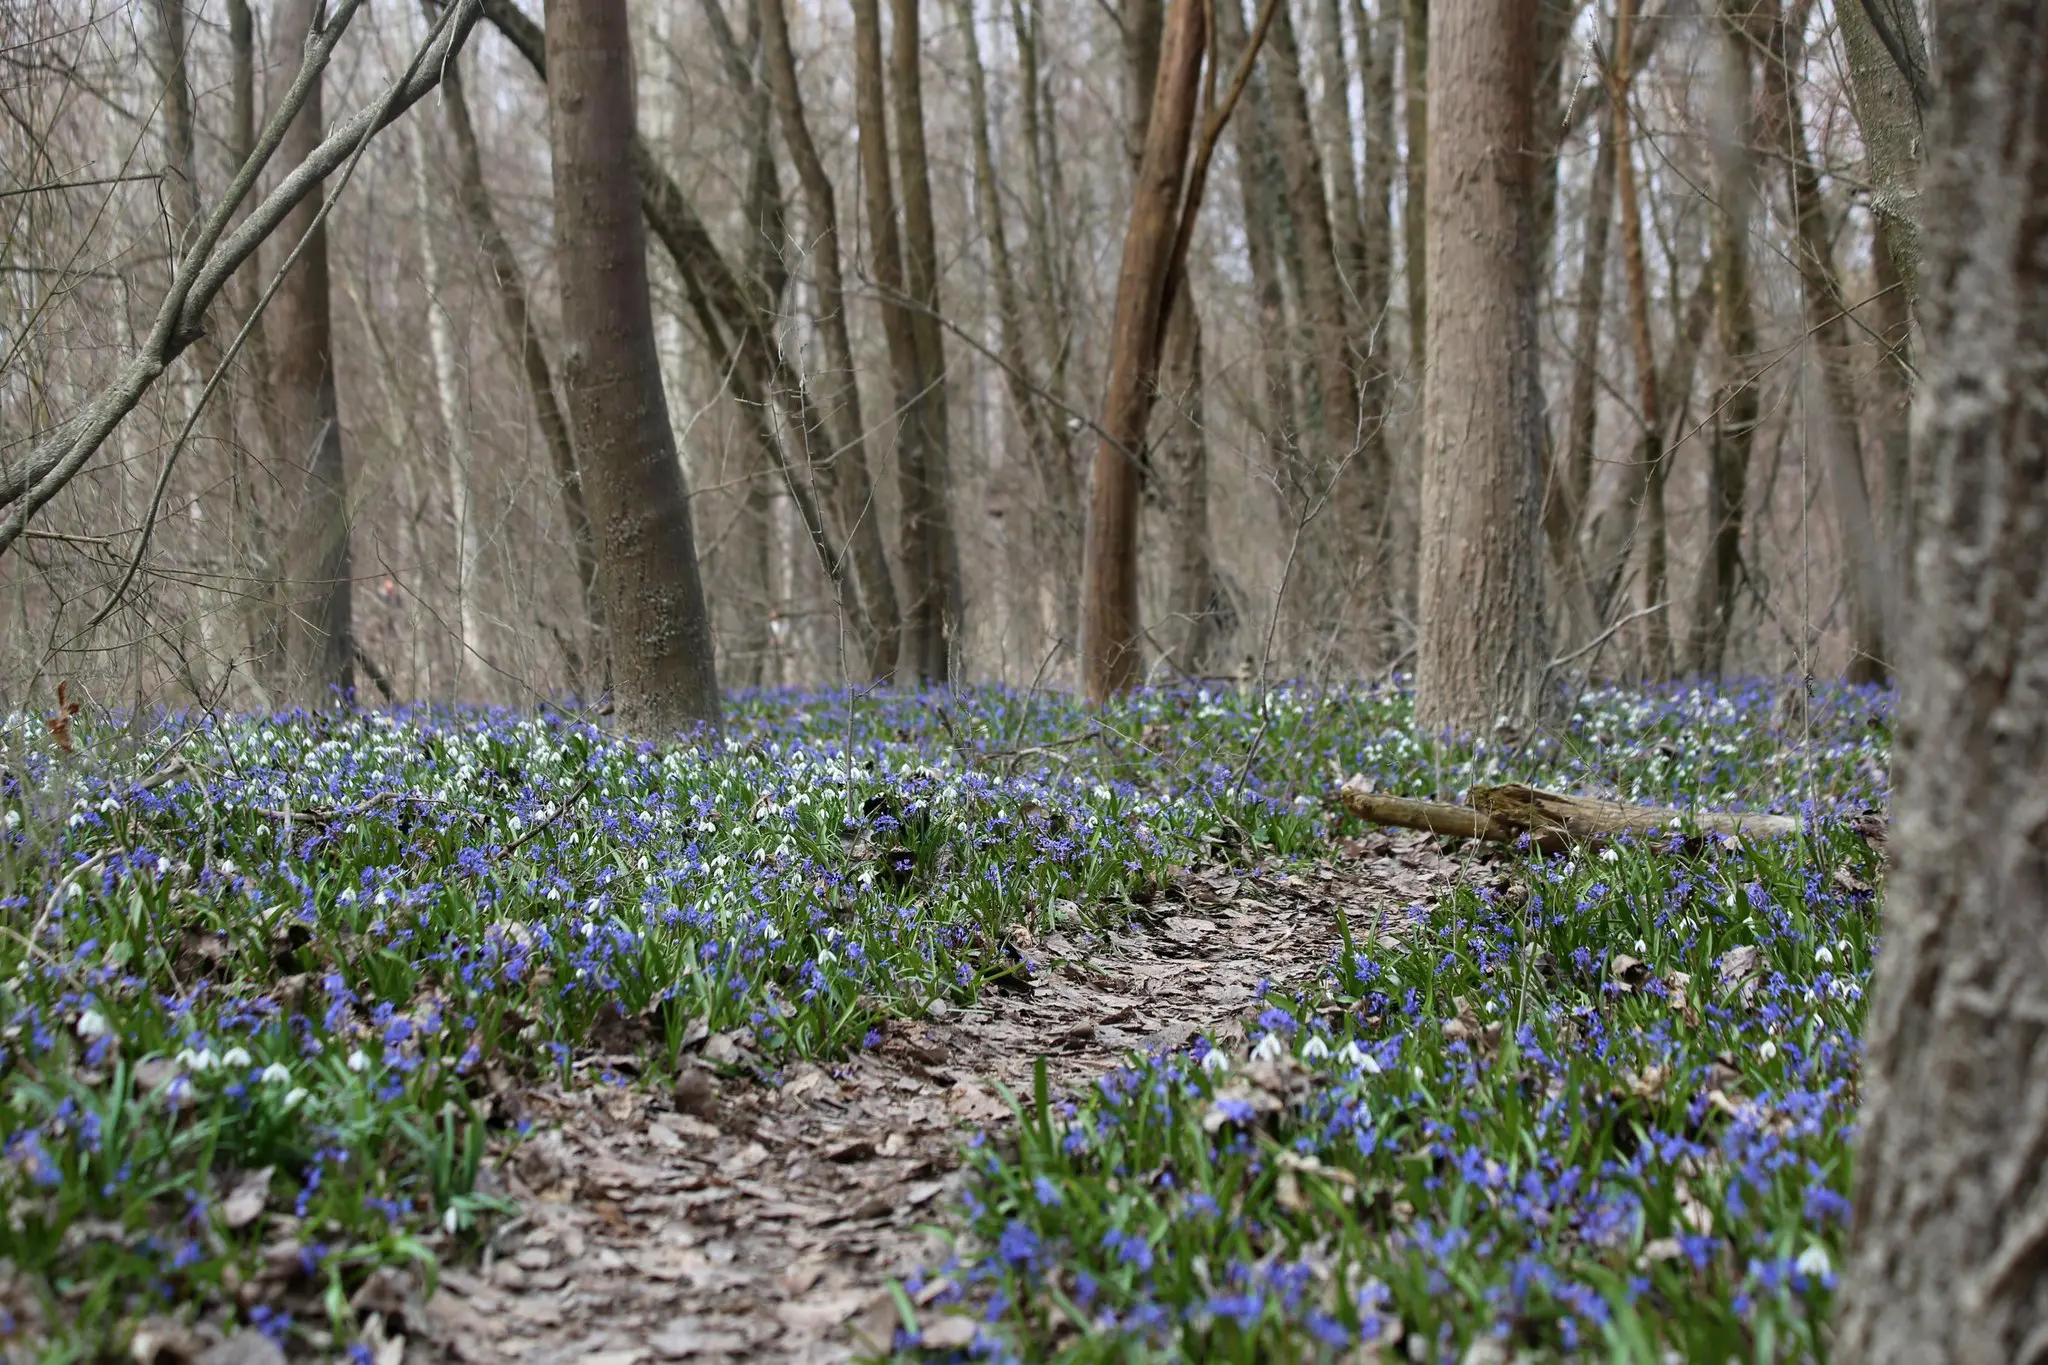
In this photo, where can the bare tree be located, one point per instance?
(1481, 655)
(647, 560)
(1950, 1208)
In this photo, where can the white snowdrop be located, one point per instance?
(277, 1073)
(1824, 957)
(201, 1061)
(1269, 1049)
(13, 818)
(451, 1222)
(91, 1024)
(1215, 1061)
(1641, 947)
(236, 1058)
(1767, 1051)
(359, 1061)
(1814, 1261)
(1315, 1049)
(1608, 855)
(296, 1098)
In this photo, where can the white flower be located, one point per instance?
(1270, 1049)
(1608, 855)
(92, 1024)
(1767, 1051)
(236, 1058)
(1351, 1055)
(277, 1073)
(163, 867)
(359, 1061)
(1843, 947)
(1371, 1066)
(451, 1222)
(179, 1090)
(295, 1098)
(1814, 1261)
(201, 1061)
(1215, 1061)
(13, 818)
(1315, 1049)
(1641, 947)
(1824, 957)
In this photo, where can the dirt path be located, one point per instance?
(740, 1222)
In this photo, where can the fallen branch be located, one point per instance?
(1551, 820)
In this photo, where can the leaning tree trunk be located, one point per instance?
(1109, 595)
(1950, 1259)
(1481, 654)
(662, 667)
(314, 598)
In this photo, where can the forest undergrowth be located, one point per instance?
(266, 981)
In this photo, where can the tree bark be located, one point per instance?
(1887, 59)
(319, 648)
(1344, 531)
(1481, 656)
(1568, 486)
(1947, 1265)
(844, 475)
(1735, 400)
(663, 668)
(1868, 577)
(1109, 605)
(1415, 42)
(935, 615)
(521, 338)
(447, 379)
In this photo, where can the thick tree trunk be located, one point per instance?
(843, 475)
(1735, 400)
(319, 646)
(1951, 1208)
(1196, 607)
(1481, 656)
(521, 338)
(934, 619)
(1109, 604)
(663, 667)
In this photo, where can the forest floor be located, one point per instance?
(973, 1026)
(753, 1223)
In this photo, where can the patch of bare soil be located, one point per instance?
(735, 1221)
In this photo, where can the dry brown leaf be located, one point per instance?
(244, 1204)
(953, 1332)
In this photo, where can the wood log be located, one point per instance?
(1552, 820)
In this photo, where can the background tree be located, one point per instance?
(1950, 1205)
(663, 666)
(1482, 651)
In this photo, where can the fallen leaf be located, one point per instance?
(244, 1204)
(953, 1332)
(692, 1336)
(246, 1347)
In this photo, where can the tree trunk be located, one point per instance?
(1414, 210)
(1109, 603)
(1868, 578)
(319, 648)
(1888, 70)
(447, 378)
(935, 615)
(1735, 401)
(1341, 542)
(1481, 656)
(521, 338)
(1614, 532)
(1251, 135)
(663, 668)
(844, 475)
(1569, 484)
(1947, 1265)
(1196, 606)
